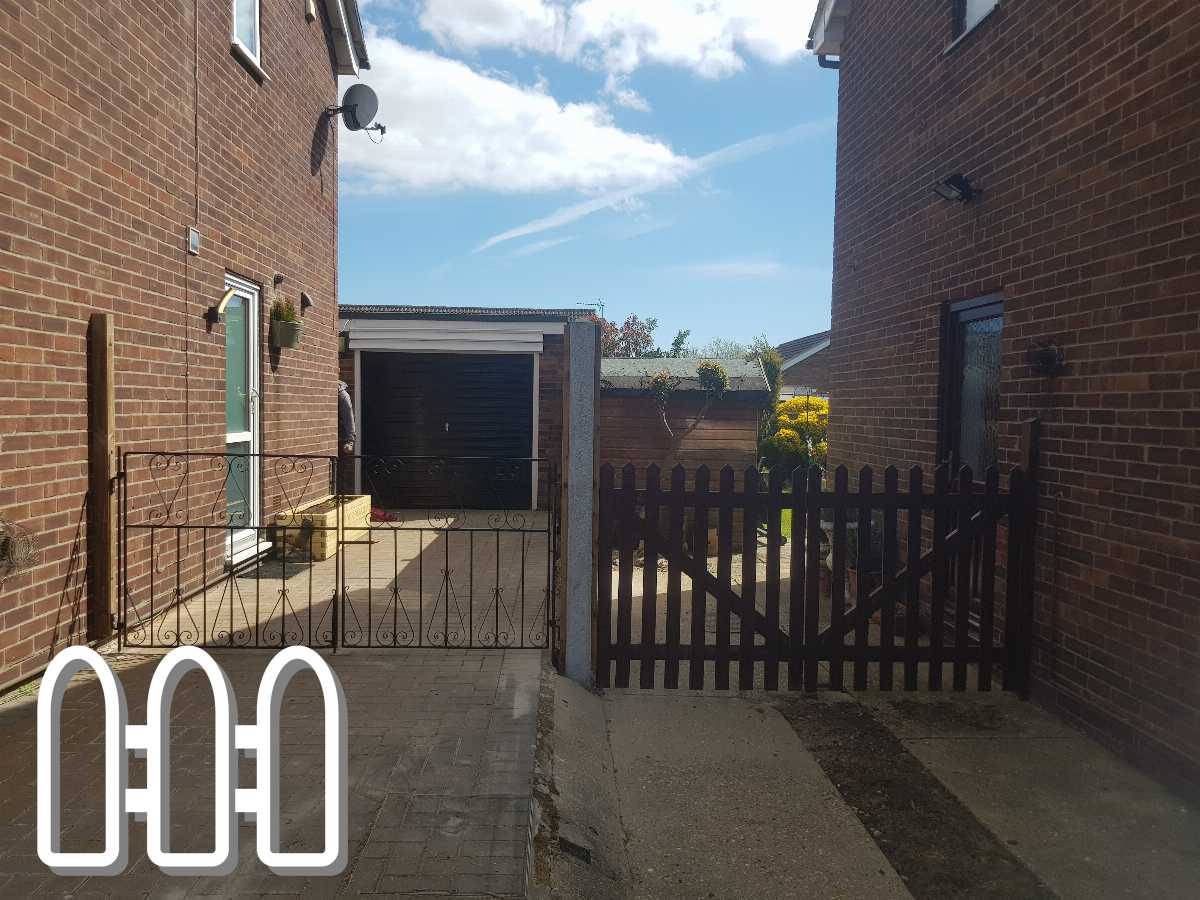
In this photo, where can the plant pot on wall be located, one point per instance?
(285, 335)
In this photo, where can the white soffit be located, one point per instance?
(448, 336)
(343, 46)
(801, 357)
(829, 27)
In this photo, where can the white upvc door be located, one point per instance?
(242, 433)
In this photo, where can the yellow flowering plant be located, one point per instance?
(800, 435)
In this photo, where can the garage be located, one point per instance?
(448, 429)
(457, 408)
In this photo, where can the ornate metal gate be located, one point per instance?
(265, 551)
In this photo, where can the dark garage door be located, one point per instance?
(421, 405)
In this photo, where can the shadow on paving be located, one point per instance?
(441, 754)
(930, 838)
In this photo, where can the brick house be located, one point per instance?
(1054, 273)
(122, 126)
(805, 366)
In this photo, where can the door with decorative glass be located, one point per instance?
(971, 410)
(241, 419)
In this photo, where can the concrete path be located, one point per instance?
(719, 799)
(441, 760)
(1088, 824)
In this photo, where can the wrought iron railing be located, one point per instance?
(269, 550)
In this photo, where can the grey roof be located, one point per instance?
(799, 345)
(498, 313)
(635, 374)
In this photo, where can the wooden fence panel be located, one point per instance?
(649, 580)
(628, 537)
(604, 551)
(724, 575)
(774, 539)
(699, 570)
(889, 564)
(922, 596)
(912, 611)
(749, 574)
(674, 571)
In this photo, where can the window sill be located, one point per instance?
(258, 548)
(247, 59)
(953, 45)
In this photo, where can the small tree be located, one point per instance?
(714, 382)
(632, 339)
(801, 434)
(723, 348)
(762, 352)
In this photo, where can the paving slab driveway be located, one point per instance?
(719, 799)
(441, 755)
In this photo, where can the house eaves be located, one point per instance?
(349, 41)
(829, 27)
(801, 357)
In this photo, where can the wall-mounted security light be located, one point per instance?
(956, 188)
(277, 281)
(216, 313)
(305, 302)
(1048, 359)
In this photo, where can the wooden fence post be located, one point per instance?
(1031, 433)
(102, 470)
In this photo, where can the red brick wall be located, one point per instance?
(95, 195)
(809, 375)
(1080, 121)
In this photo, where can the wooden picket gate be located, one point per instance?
(944, 592)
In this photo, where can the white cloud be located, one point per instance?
(615, 89)
(624, 197)
(732, 268)
(712, 38)
(450, 127)
(539, 246)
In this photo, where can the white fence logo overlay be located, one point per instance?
(261, 741)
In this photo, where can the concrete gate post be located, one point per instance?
(576, 613)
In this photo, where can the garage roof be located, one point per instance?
(635, 374)
(452, 329)
(462, 313)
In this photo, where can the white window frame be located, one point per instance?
(248, 56)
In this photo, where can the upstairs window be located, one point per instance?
(969, 13)
(246, 29)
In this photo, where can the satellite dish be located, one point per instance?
(359, 106)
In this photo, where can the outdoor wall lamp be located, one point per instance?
(305, 302)
(1048, 359)
(216, 313)
(956, 188)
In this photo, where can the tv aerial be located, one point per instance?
(359, 105)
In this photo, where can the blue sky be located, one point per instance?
(672, 163)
